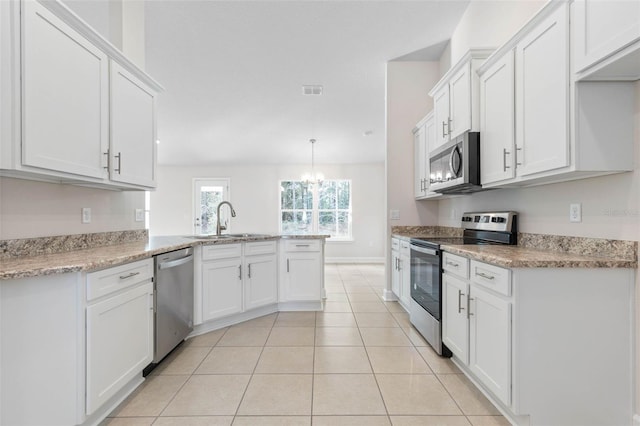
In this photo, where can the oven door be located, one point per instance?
(426, 279)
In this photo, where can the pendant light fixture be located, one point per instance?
(313, 177)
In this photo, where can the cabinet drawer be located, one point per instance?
(222, 251)
(101, 283)
(492, 277)
(395, 244)
(456, 265)
(262, 247)
(405, 248)
(302, 245)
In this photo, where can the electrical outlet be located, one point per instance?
(86, 215)
(575, 212)
(395, 214)
(139, 215)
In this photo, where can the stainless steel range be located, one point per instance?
(426, 267)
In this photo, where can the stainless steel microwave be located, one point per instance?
(455, 166)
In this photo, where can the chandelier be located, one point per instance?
(313, 177)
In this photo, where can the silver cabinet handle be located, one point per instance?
(454, 264)
(108, 160)
(249, 271)
(504, 159)
(399, 264)
(483, 275)
(444, 123)
(240, 271)
(119, 157)
(517, 162)
(287, 265)
(303, 245)
(151, 304)
(132, 274)
(460, 294)
(449, 121)
(469, 299)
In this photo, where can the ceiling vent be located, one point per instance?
(312, 90)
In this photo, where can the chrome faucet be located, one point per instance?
(219, 227)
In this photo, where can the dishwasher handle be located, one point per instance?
(174, 263)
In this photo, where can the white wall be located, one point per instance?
(407, 102)
(35, 209)
(490, 23)
(255, 196)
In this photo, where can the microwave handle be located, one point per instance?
(455, 152)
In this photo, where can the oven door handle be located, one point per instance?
(424, 250)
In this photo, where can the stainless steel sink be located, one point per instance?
(209, 237)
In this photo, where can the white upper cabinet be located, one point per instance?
(65, 97)
(497, 121)
(133, 129)
(456, 98)
(71, 102)
(606, 35)
(542, 96)
(424, 135)
(538, 124)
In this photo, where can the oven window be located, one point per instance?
(425, 281)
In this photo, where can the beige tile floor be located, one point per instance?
(357, 363)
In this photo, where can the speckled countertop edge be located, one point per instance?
(95, 258)
(551, 251)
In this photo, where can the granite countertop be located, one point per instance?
(529, 257)
(523, 257)
(95, 258)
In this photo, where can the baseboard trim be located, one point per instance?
(636, 420)
(360, 260)
(389, 296)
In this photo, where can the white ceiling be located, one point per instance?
(233, 73)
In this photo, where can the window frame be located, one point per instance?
(316, 210)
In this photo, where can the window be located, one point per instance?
(323, 208)
(208, 193)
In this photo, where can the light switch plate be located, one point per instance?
(394, 214)
(86, 215)
(139, 215)
(575, 212)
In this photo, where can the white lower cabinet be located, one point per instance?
(221, 288)
(260, 274)
(401, 271)
(405, 272)
(525, 337)
(490, 341)
(301, 273)
(119, 342)
(119, 323)
(236, 278)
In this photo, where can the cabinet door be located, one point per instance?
(497, 127)
(260, 281)
(455, 325)
(600, 28)
(302, 273)
(419, 155)
(405, 280)
(133, 130)
(441, 116)
(395, 273)
(490, 342)
(430, 143)
(65, 97)
(119, 342)
(542, 96)
(221, 288)
(460, 99)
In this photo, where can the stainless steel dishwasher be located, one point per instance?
(173, 295)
